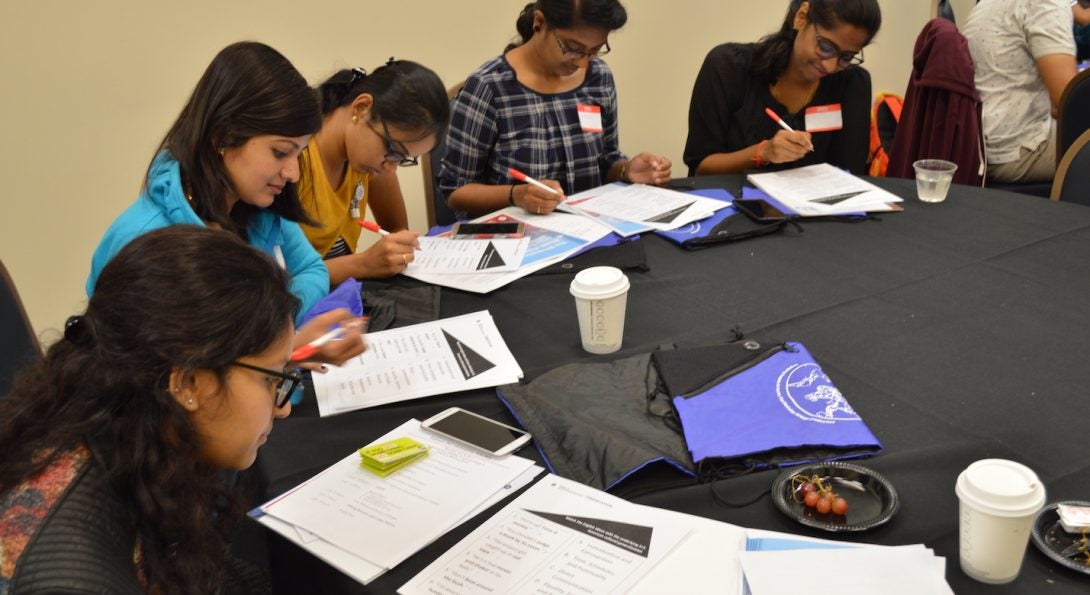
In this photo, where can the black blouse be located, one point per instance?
(726, 113)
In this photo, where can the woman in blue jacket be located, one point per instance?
(231, 161)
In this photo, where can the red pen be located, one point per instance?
(776, 117)
(372, 226)
(514, 173)
(307, 351)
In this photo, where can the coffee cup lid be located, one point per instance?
(1001, 487)
(599, 283)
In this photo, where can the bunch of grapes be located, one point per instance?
(817, 494)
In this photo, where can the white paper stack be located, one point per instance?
(454, 354)
(822, 189)
(364, 524)
(633, 208)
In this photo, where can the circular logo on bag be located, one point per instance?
(689, 229)
(808, 394)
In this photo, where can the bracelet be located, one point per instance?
(624, 171)
(757, 160)
(511, 195)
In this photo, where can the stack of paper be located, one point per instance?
(822, 189)
(548, 239)
(633, 208)
(445, 356)
(778, 563)
(449, 256)
(364, 524)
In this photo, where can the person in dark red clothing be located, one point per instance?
(941, 114)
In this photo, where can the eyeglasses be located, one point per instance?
(579, 54)
(286, 382)
(393, 155)
(828, 50)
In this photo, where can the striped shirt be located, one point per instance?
(498, 123)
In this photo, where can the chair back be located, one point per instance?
(1072, 182)
(1073, 115)
(439, 212)
(19, 347)
(945, 11)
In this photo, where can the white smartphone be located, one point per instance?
(477, 431)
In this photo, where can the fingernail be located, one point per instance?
(324, 368)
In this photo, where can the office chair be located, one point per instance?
(1072, 117)
(439, 212)
(20, 345)
(1072, 181)
(946, 11)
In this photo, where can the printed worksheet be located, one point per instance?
(432, 358)
(822, 189)
(439, 255)
(387, 519)
(558, 536)
(650, 206)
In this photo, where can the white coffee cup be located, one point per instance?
(601, 295)
(998, 501)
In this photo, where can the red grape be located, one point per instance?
(840, 506)
(824, 504)
(811, 499)
(808, 487)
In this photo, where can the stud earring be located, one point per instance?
(355, 119)
(189, 402)
(221, 151)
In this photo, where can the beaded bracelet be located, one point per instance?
(757, 160)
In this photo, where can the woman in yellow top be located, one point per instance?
(371, 124)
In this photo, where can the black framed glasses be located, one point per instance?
(828, 50)
(393, 154)
(286, 382)
(575, 54)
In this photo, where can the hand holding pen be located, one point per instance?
(788, 144)
(391, 254)
(332, 337)
(535, 196)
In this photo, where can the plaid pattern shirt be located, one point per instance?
(498, 123)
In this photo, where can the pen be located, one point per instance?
(514, 173)
(307, 351)
(776, 117)
(372, 226)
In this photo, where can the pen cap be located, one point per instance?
(599, 283)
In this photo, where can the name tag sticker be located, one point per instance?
(590, 117)
(824, 118)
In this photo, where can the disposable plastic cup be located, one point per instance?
(998, 500)
(933, 177)
(601, 296)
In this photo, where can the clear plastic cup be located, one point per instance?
(998, 501)
(601, 295)
(933, 177)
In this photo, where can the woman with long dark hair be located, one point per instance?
(230, 161)
(808, 73)
(115, 442)
(547, 107)
(371, 124)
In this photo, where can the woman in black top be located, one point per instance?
(808, 73)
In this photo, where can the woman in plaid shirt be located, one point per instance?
(547, 107)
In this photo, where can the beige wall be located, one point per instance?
(89, 88)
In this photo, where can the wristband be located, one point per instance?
(511, 195)
(757, 160)
(624, 172)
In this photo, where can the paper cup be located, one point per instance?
(998, 500)
(601, 295)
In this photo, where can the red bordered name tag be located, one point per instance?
(824, 118)
(590, 117)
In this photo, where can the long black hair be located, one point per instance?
(249, 89)
(180, 298)
(774, 51)
(406, 94)
(566, 14)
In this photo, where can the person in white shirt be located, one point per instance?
(1025, 55)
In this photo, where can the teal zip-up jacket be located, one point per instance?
(163, 203)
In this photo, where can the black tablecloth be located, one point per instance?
(958, 331)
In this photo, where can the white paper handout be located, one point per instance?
(822, 189)
(558, 536)
(447, 256)
(384, 520)
(650, 206)
(552, 238)
(449, 355)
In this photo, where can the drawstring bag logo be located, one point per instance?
(807, 393)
